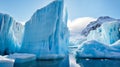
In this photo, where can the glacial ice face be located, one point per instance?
(16, 31)
(46, 33)
(95, 49)
(92, 49)
(7, 34)
(108, 33)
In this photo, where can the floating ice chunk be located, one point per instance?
(6, 62)
(22, 57)
(92, 49)
(95, 49)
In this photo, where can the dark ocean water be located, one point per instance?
(45, 63)
(98, 62)
(72, 62)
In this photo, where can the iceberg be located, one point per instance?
(46, 33)
(92, 49)
(95, 30)
(107, 33)
(9, 31)
(22, 57)
(95, 49)
(103, 41)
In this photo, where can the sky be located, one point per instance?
(22, 10)
(93, 8)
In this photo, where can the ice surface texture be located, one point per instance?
(108, 33)
(46, 33)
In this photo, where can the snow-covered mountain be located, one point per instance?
(46, 33)
(9, 31)
(95, 24)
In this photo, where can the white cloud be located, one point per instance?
(77, 25)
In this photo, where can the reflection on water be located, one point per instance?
(53, 63)
(72, 62)
(50, 63)
(98, 62)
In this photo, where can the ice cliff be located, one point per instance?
(10, 34)
(46, 33)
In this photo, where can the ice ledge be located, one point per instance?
(6, 62)
(22, 57)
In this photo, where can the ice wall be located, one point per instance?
(7, 37)
(46, 33)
